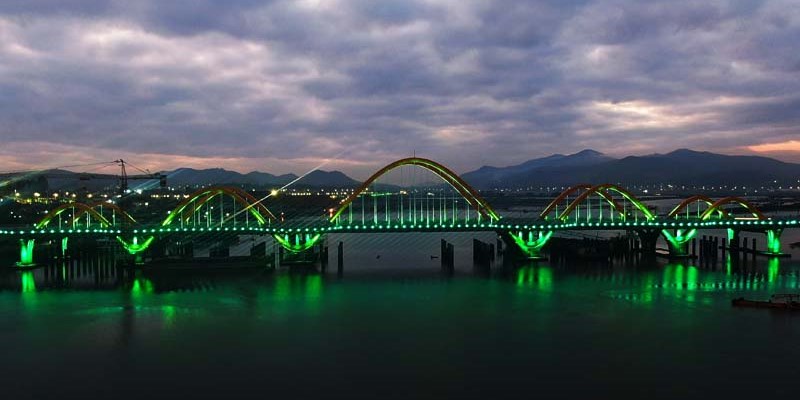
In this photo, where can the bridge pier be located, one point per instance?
(679, 242)
(299, 242)
(529, 243)
(300, 248)
(26, 253)
(647, 240)
(340, 258)
(774, 243)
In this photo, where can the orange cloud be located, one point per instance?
(787, 146)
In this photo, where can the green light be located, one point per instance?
(28, 282)
(26, 252)
(774, 242)
(134, 247)
(302, 243)
(532, 247)
(678, 242)
(142, 286)
(539, 277)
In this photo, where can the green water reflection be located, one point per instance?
(536, 276)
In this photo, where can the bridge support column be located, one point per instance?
(340, 259)
(679, 241)
(64, 243)
(299, 242)
(300, 248)
(733, 239)
(774, 242)
(530, 243)
(26, 253)
(648, 239)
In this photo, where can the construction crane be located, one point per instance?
(123, 176)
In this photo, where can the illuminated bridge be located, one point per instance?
(229, 211)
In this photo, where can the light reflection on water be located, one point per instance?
(533, 323)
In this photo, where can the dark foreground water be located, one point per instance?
(383, 331)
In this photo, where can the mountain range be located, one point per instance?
(681, 167)
(316, 178)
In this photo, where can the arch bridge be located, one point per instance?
(224, 210)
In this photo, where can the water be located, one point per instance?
(395, 326)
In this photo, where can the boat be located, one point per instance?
(777, 301)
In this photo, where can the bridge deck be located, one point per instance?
(287, 228)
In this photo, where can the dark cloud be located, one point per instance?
(282, 85)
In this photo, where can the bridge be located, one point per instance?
(370, 210)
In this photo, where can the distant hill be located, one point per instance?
(197, 177)
(517, 175)
(683, 166)
(62, 180)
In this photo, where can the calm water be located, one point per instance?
(395, 326)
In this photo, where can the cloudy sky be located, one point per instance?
(283, 86)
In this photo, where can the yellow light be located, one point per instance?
(273, 192)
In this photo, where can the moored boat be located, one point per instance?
(777, 301)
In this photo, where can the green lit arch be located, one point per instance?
(84, 208)
(194, 201)
(467, 192)
(694, 199)
(126, 217)
(733, 200)
(571, 190)
(608, 187)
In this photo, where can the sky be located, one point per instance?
(286, 86)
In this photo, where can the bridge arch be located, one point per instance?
(733, 200)
(553, 205)
(467, 192)
(84, 208)
(115, 208)
(194, 201)
(684, 205)
(612, 188)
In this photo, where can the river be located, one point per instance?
(393, 325)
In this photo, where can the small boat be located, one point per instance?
(778, 301)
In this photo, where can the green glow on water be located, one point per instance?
(142, 286)
(539, 277)
(692, 283)
(773, 270)
(313, 286)
(28, 282)
(728, 264)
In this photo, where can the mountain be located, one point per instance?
(682, 166)
(318, 178)
(487, 177)
(197, 177)
(62, 180)
(219, 176)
